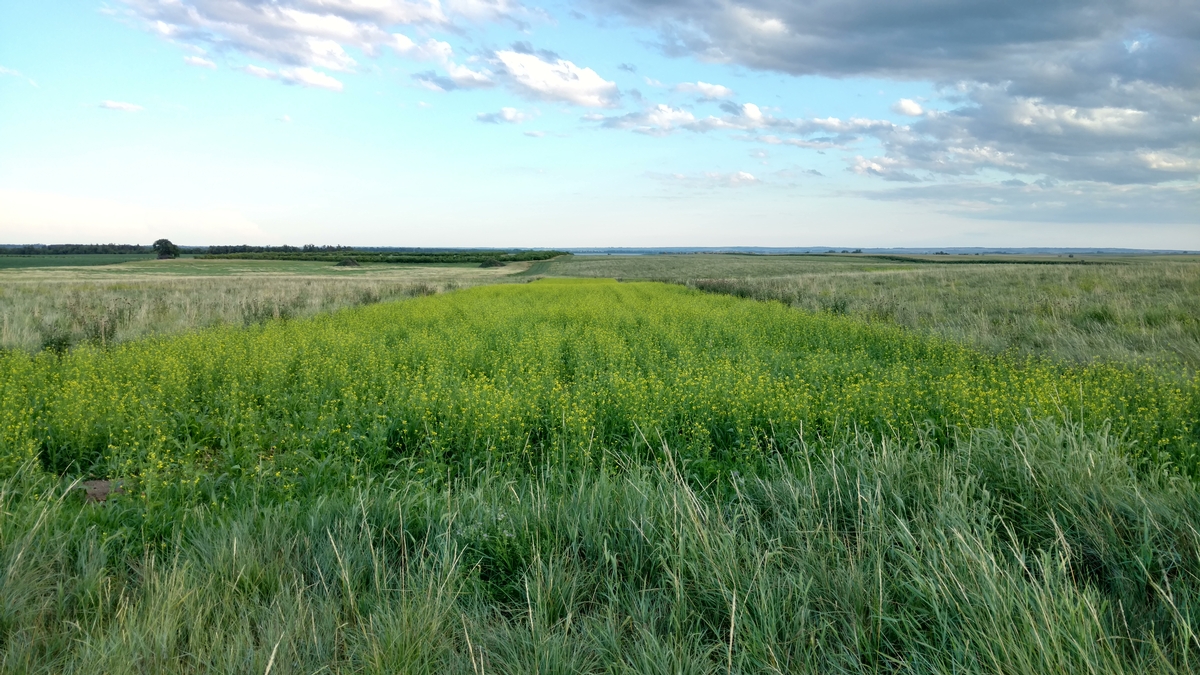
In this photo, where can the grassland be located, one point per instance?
(1107, 307)
(595, 477)
(74, 260)
(58, 307)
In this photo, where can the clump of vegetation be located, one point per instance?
(491, 262)
(348, 262)
(165, 249)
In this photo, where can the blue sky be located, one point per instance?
(613, 122)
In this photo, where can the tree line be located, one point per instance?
(310, 252)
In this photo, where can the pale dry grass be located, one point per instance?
(1132, 311)
(56, 308)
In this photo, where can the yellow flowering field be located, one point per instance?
(548, 371)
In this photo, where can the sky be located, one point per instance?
(520, 123)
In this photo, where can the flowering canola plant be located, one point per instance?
(546, 371)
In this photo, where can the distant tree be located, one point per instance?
(165, 249)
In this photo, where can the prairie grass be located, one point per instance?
(1038, 551)
(60, 308)
(1111, 308)
(593, 477)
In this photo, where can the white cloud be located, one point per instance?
(907, 106)
(199, 62)
(882, 167)
(558, 81)
(457, 76)
(306, 39)
(430, 50)
(121, 105)
(1166, 161)
(704, 90)
(709, 179)
(305, 77)
(14, 73)
(535, 134)
(657, 120)
(505, 115)
(259, 71)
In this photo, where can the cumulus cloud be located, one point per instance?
(302, 36)
(907, 106)
(1107, 95)
(120, 105)
(829, 132)
(658, 120)
(558, 80)
(704, 90)
(1050, 201)
(199, 62)
(503, 116)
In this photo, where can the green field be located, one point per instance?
(1109, 307)
(598, 477)
(76, 260)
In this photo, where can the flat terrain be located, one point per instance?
(577, 475)
(1107, 307)
(78, 260)
(58, 307)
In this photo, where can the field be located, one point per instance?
(77, 260)
(58, 307)
(1109, 307)
(586, 476)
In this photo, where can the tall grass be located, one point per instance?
(1037, 551)
(1145, 309)
(58, 315)
(593, 477)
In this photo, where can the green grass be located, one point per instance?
(1032, 553)
(79, 260)
(593, 477)
(1113, 308)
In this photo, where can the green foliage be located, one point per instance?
(1035, 552)
(165, 249)
(8, 261)
(592, 477)
(77, 249)
(517, 375)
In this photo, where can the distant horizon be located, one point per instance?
(601, 123)
(643, 250)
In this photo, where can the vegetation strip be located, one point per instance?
(592, 477)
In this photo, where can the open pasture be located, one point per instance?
(1108, 307)
(60, 307)
(591, 476)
